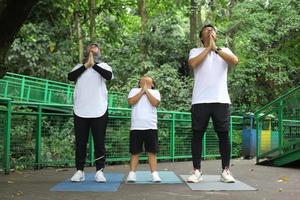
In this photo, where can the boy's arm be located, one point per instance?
(133, 100)
(154, 102)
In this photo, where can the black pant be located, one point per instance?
(82, 128)
(201, 114)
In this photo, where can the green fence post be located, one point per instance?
(230, 136)
(258, 131)
(7, 139)
(172, 138)
(204, 146)
(50, 97)
(46, 92)
(280, 126)
(69, 95)
(6, 90)
(110, 100)
(91, 143)
(22, 88)
(38, 138)
(28, 93)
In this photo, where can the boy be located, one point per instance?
(143, 131)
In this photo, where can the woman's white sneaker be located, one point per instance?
(195, 177)
(226, 177)
(99, 177)
(78, 176)
(131, 178)
(155, 177)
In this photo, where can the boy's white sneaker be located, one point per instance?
(195, 177)
(78, 176)
(131, 177)
(226, 177)
(155, 177)
(99, 176)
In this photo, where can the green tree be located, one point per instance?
(267, 43)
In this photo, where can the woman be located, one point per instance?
(90, 110)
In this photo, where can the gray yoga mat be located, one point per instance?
(213, 183)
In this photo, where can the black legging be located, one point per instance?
(224, 147)
(82, 128)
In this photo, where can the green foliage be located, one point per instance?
(36, 53)
(237, 142)
(267, 43)
(22, 141)
(59, 139)
(175, 90)
(264, 35)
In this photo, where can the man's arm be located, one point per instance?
(194, 62)
(231, 59)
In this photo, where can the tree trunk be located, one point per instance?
(79, 29)
(143, 14)
(199, 20)
(231, 30)
(193, 22)
(13, 14)
(92, 8)
(144, 19)
(211, 14)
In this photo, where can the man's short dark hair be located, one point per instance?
(205, 26)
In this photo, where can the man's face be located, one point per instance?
(207, 31)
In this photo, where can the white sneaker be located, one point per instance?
(99, 177)
(78, 176)
(226, 177)
(155, 177)
(195, 177)
(131, 178)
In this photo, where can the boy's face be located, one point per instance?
(145, 80)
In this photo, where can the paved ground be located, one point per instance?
(273, 183)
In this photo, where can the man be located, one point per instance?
(90, 110)
(210, 99)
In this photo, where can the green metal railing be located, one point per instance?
(32, 89)
(40, 134)
(278, 126)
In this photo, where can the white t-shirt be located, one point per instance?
(210, 84)
(143, 113)
(90, 94)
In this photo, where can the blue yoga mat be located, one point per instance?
(167, 177)
(113, 181)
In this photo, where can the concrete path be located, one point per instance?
(273, 183)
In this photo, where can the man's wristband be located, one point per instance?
(217, 50)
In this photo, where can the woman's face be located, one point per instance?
(94, 49)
